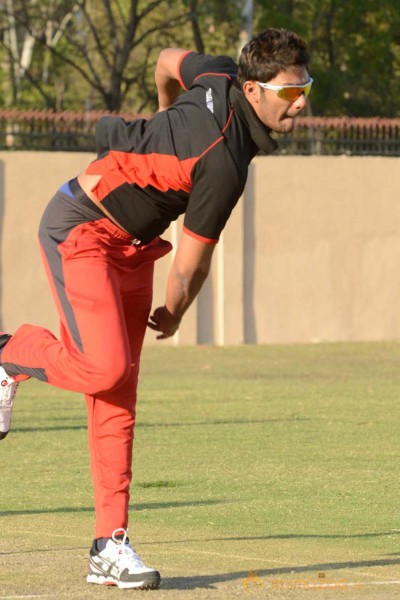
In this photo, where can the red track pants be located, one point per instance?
(102, 286)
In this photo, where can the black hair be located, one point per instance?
(269, 53)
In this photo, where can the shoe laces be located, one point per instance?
(126, 553)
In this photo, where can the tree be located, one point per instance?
(47, 21)
(102, 53)
(355, 51)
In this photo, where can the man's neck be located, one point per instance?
(260, 134)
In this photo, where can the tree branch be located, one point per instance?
(149, 8)
(49, 101)
(112, 27)
(131, 28)
(158, 27)
(198, 40)
(97, 39)
(86, 57)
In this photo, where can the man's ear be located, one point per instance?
(252, 91)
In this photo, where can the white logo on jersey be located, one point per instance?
(209, 100)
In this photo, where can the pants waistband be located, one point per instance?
(82, 197)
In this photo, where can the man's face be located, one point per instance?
(276, 113)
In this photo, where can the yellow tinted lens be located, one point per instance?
(292, 93)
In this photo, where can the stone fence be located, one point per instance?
(311, 252)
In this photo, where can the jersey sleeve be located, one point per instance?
(114, 133)
(216, 188)
(194, 64)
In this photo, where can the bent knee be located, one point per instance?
(110, 377)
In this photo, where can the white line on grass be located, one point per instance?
(339, 584)
(227, 555)
(30, 596)
(365, 573)
(395, 582)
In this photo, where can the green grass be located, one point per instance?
(277, 460)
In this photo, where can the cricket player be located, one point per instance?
(100, 236)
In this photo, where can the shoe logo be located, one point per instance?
(107, 567)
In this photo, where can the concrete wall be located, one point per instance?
(311, 252)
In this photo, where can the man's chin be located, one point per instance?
(286, 125)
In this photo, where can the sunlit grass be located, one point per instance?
(287, 453)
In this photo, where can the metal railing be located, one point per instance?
(72, 131)
(343, 135)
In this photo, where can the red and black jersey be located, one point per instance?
(192, 158)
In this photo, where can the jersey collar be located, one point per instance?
(258, 131)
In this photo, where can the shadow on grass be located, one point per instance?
(182, 424)
(82, 509)
(210, 581)
(51, 428)
(226, 422)
(40, 551)
(285, 536)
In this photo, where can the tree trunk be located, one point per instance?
(198, 40)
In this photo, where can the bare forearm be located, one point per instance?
(167, 77)
(168, 91)
(187, 274)
(182, 289)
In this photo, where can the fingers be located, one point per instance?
(153, 323)
(161, 320)
(156, 327)
(163, 336)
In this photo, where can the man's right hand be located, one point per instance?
(162, 320)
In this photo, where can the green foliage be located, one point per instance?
(355, 51)
(102, 54)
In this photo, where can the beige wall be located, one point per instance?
(311, 253)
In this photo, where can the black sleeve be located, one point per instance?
(216, 188)
(114, 133)
(194, 64)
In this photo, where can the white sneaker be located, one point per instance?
(119, 564)
(8, 389)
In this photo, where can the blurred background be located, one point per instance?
(100, 54)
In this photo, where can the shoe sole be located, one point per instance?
(152, 582)
(3, 434)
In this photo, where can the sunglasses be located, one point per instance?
(289, 92)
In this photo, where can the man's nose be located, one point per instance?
(300, 102)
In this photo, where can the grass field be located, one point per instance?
(263, 472)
